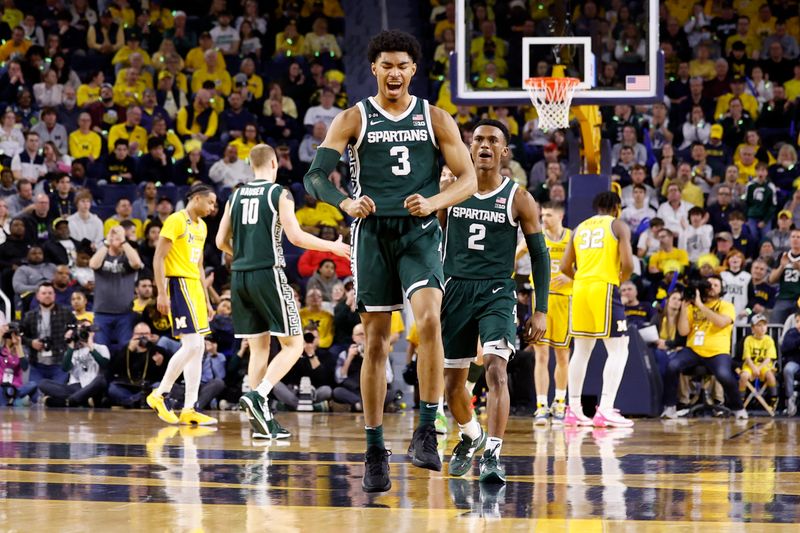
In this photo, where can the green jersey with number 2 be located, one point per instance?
(394, 156)
(256, 226)
(481, 235)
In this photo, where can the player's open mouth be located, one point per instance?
(394, 86)
(485, 154)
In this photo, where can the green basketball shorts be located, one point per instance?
(393, 257)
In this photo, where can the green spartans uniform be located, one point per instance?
(262, 300)
(393, 158)
(479, 294)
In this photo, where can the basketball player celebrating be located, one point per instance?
(180, 277)
(556, 236)
(263, 302)
(394, 140)
(600, 251)
(480, 298)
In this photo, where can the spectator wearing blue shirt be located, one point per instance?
(235, 118)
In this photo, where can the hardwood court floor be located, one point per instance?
(104, 471)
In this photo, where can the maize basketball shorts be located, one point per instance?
(557, 333)
(393, 257)
(189, 312)
(473, 309)
(263, 303)
(596, 311)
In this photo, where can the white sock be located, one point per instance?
(577, 372)
(180, 359)
(264, 388)
(493, 445)
(617, 349)
(192, 373)
(471, 429)
(541, 399)
(561, 394)
(440, 409)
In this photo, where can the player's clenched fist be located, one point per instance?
(361, 207)
(418, 205)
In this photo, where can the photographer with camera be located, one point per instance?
(86, 363)
(707, 321)
(44, 336)
(137, 368)
(12, 364)
(315, 365)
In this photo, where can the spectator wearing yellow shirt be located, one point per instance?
(488, 35)
(167, 49)
(89, 93)
(764, 24)
(130, 130)
(680, 9)
(667, 253)
(130, 90)
(172, 143)
(313, 312)
(137, 64)
(747, 163)
(448, 22)
(289, 42)
(122, 57)
(330, 8)
(315, 214)
(751, 42)
(195, 59)
(123, 13)
(690, 192)
(792, 86)
(11, 15)
(199, 120)
(760, 359)
(123, 211)
(255, 84)
(161, 17)
(247, 141)
(490, 79)
(749, 102)
(319, 42)
(16, 46)
(287, 104)
(78, 301)
(702, 66)
(214, 71)
(83, 142)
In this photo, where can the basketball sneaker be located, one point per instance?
(490, 469)
(791, 406)
(610, 418)
(741, 414)
(540, 415)
(571, 418)
(559, 411)
(670, 412)
(464, 452)
(257, 411)
(423, 450)
(376, 470)
(192, 417)
(156, 402)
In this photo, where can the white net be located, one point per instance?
(552, 97)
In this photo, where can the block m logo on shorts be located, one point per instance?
(180, 322)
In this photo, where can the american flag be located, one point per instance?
(417, 117)
(501, 200)
(637, 83)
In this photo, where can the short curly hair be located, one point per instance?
(393, 41)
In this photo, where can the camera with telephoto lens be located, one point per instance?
(308, 337)
(694, 286)
(144, 342)
(47, 343)
(80, 333)
(13, 329)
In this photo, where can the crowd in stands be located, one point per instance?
(110, 109)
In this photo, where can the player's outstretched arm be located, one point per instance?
(344, 127)
(458, 160)
(623, 233)
(300, 238)
(225, 231)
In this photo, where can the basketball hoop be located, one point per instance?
(552, 97)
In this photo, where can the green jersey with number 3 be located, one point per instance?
(256, 226)
(394, 156)
(481, 235)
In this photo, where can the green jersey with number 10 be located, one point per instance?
(481, 235)
(257, 228)
(394, 156)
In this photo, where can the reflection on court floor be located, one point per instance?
(82, 469)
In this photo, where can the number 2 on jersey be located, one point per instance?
(591, 238)
(476, 234)
(401, 153)
(249, 210)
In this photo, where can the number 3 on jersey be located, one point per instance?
(401, 153)
(591, 238)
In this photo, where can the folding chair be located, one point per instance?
(757, 392)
